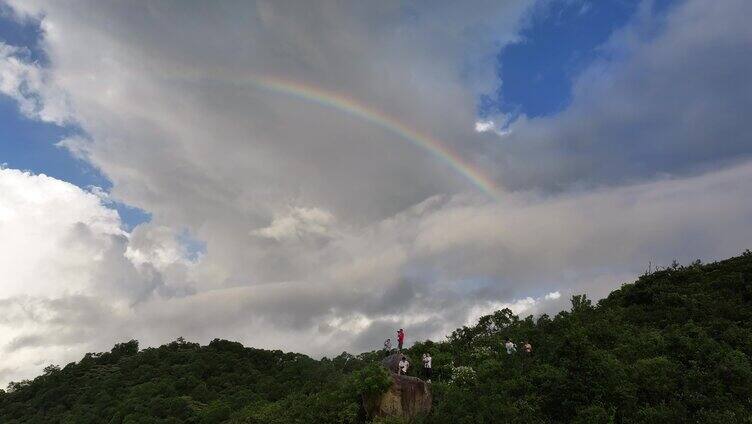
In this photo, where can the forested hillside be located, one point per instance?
(675, 346)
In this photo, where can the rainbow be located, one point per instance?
(348, 105)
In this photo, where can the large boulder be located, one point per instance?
(406, 398)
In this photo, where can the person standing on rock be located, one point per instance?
(403, 365)
(427, 370)
(388, 346)
(400, 338)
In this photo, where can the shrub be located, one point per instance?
(373, 380)
(463, 376)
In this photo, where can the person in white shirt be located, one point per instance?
(511, 348)
(427, 370)
(403, 365)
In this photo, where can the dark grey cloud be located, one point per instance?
(670, 97)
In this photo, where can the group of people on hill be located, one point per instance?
(527, 348)
(404, 364)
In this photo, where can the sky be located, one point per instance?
(311, 176)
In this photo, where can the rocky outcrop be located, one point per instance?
(406, 398)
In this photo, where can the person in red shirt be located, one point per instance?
(400, 338)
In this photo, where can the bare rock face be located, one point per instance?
(406, 398)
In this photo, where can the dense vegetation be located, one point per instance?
(673, 347)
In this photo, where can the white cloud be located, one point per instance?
(483, 126)
(56, 241)
(60, 247)
(490, 126)
(552, 296)
(49, 232)
(27, 83)
(298, 224)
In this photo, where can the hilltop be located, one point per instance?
(674, 346)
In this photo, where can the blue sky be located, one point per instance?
(562, 39)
